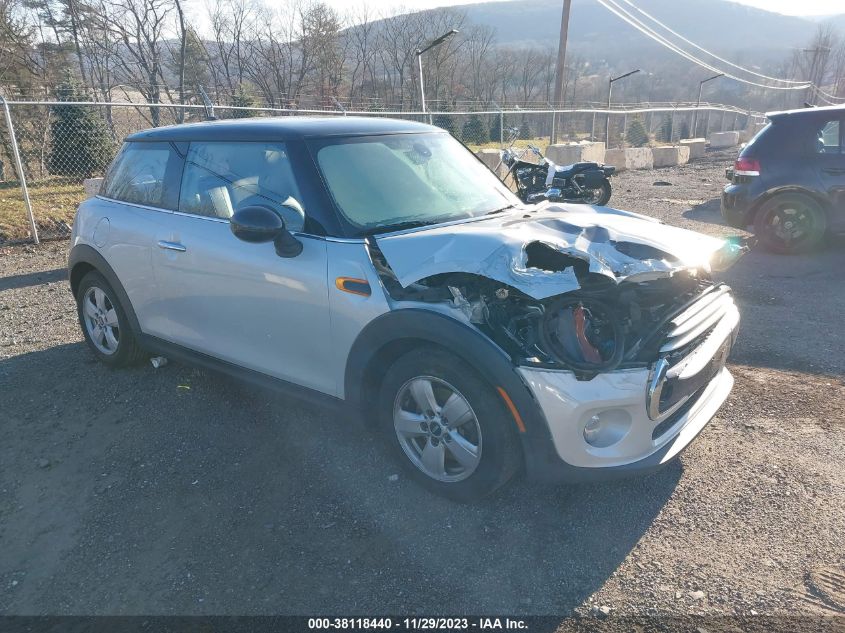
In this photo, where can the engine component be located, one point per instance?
(583, 333)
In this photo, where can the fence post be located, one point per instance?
(19, 168)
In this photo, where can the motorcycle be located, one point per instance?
(586, 183)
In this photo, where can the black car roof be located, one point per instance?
(280, 129)
(806, 112)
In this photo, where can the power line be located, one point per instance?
(714, 55)
(620, 12)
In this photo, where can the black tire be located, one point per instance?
(771, 228)
(600, 195)
(127, 351)
(500, 451)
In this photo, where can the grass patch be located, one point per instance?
(54, 202)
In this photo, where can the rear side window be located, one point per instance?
(145, 173)
(221, 178)
(828, 139)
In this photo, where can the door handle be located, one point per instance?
(834, 171)
(172, 246)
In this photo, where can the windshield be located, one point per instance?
(389, 182)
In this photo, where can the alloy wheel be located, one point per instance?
(437, 429)
(101, 320)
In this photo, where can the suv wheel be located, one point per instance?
(790, 223)
(104, 323)
(447, 425)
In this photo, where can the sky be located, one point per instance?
(788, 7)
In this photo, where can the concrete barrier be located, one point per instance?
(491, 158)
(568, 153)
(630, 158)
(720, 140)
(670, 155)
(92, 186)
(697, 147)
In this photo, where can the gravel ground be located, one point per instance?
(177, 491)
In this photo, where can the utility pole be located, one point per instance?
(561, 61)
(698, 103)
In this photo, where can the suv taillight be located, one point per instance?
(747, 167)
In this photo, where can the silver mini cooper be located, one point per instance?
(379, 265)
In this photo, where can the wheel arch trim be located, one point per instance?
(84, 257)
(420, 327)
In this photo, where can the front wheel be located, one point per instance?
(598, 196)
(790, 223)
(447, 426)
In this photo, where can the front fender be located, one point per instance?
(408, 328)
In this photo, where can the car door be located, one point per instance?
(830, 161)
(137, 197)
(240, 302)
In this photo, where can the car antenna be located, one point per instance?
(209, 106)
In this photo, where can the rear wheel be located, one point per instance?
(104, 322)
(598, 196)
(790, 223)
(447, 425)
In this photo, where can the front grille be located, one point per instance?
(695, 322)
(693, 351)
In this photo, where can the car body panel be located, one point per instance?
(495, 248)
(242, 303)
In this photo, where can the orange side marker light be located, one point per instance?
(353, 286)
(509, 403)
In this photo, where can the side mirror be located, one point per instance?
(257, 224)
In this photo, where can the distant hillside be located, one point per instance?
(719, 25)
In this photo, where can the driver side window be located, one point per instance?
(223, 177)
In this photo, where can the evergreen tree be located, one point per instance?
(446, 122)
(664, 133)
(242, 99)
(525, 131)
(80, 143)
(474, 131)
(637, 136)
(496, 128)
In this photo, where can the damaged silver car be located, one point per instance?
(378, 265)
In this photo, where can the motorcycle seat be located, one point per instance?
(565, 171)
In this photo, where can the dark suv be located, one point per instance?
(789, 181)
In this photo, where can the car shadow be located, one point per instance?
(182, 491)
(708, 212)
(32, 279)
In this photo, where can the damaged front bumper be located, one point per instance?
(631, 420)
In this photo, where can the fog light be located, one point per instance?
(606, 428)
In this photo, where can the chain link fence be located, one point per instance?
(61, 144)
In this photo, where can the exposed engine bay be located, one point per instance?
(599, 327)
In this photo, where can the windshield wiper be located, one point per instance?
(503, 209)
(410, 224)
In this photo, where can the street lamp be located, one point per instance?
(609, 92)
(419, 53)
(698, 103)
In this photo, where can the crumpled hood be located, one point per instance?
(495, 247)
